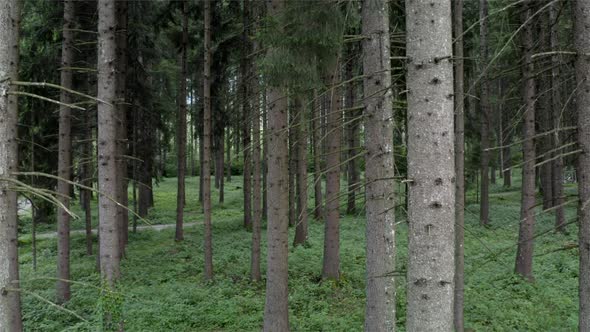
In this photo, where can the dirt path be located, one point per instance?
(159, 227)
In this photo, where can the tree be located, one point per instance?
(557, 164)
(524, 253)
(582, 72)
(484, 104)
(206, 168)
(256, 186)
(10, 315)
(108, 175)
(301, 151)
(276, 307)
(379, 168)
(65, 155)
(121, 157)
(181, 126)
(352, 130)
(331, 262)
(245, 72)
(317, 156)
(431, 166)
(459, 163)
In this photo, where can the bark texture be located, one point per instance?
(317, 157)
(64, 165)
(276, 307)
(331, 262)
(245, 69)
(301, 151)
(107, 128)
(582, 67)
(557, 164)
(256, 187)
(524, 253)
(484, 105)
(181, 127)
(431, 166)
(379, 161)
(459, 88)
(206, 170)
(10, 315)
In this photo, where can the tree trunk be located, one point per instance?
(63, 293)
(108, 175)
(220, 163)
(484, 104)
(245, 71)
(557, 164)
(292, 167)
(352, 132)
(545, 114)
(431, 167)
(121, 86)
(10, 315)
(582, 67)
(256, 188)
(331, 263)
(524, 254)
(301, 151)
(228, 151)
(264, 157)
(276, 307)
(317, 156)
(379, 161)
(506, 140)
(181, 127)
(459, 76)
(206, 173)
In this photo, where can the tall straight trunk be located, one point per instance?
(108, 175)
(215, 160)
(181, 127)
(220, 163)
(122, 195)
(524, 254)
(352, 132)
(484, 105)
(264, 157)
(87, 153)
(582, 67)
(545, 117)
(276, 307)
(256, 188)
(431, 167)
(317, 156)
(459, 88)
(201, 170)
(506, 140)
(379, 161)
(245, 71)
(10, 315)
(331, 262)
(292, 167)
(63, 293)
(557, 164)
(206, 173)
(301, 151)
(228, 151)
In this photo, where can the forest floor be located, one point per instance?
(162, 287)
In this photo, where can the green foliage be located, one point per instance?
(162, 287)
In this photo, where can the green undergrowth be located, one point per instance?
(162, 285)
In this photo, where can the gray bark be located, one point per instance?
(331, 260)
(524, 254)
(276, 307)
(10, 315)
(484, 105)
(301, 152)
(181, 127)
(64, 171)
(317, 156)
(379, 168)
(205, 171)
(582, 67)
(458, 318)
(431, 166)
